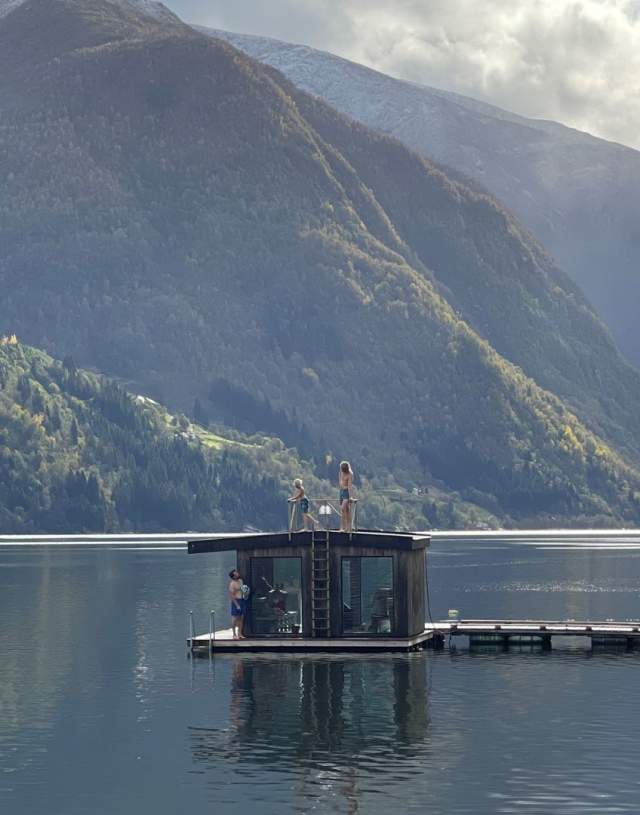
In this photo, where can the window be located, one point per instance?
(276, 596)
(367, 595)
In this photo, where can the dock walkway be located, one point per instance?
(505, 631)
(487, 632)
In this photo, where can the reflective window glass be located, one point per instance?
(367, 595)
(276, 596)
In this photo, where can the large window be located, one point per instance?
(276, 596)
(367, 595)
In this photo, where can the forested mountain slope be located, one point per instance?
(495, 276)
(79, 453)
(578, 194)
(178, 216)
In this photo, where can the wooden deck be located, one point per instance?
(487, 632)
(542, 631)
(223, 641)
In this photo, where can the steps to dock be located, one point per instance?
(320, 583)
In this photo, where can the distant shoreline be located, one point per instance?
(562, 536)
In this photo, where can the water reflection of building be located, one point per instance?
(328, 721)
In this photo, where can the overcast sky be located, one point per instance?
(575, 61)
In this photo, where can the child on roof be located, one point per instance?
(302, 501)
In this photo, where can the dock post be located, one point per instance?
(546, 642)
(192, 631)
(212, 630)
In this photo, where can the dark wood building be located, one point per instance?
(328, 588)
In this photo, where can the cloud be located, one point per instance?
(575, 61)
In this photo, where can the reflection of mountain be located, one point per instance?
(324, 719)
(84, 639)
(34, 674)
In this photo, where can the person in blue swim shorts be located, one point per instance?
(299, 497)
(237, 595)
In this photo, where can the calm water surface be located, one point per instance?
(102, 712)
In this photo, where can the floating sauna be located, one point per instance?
(326, 591)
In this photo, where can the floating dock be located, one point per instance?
(223, 642)
(324, 590)
(505, 632)
(479, 632)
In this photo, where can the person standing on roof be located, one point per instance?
(299, 497)
(345, 483)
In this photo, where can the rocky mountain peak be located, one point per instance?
(150, 7)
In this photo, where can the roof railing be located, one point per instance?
(322, 514)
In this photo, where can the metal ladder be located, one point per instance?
(320, 582)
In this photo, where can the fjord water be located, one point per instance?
(102, 712)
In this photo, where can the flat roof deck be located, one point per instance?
(371, 539)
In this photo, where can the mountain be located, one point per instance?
(125, 188)
(578, 194)
(78, 453)
(151, 8)
(177, 215)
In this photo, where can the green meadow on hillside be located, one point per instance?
(79, 453)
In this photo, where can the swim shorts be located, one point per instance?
(238, 612)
